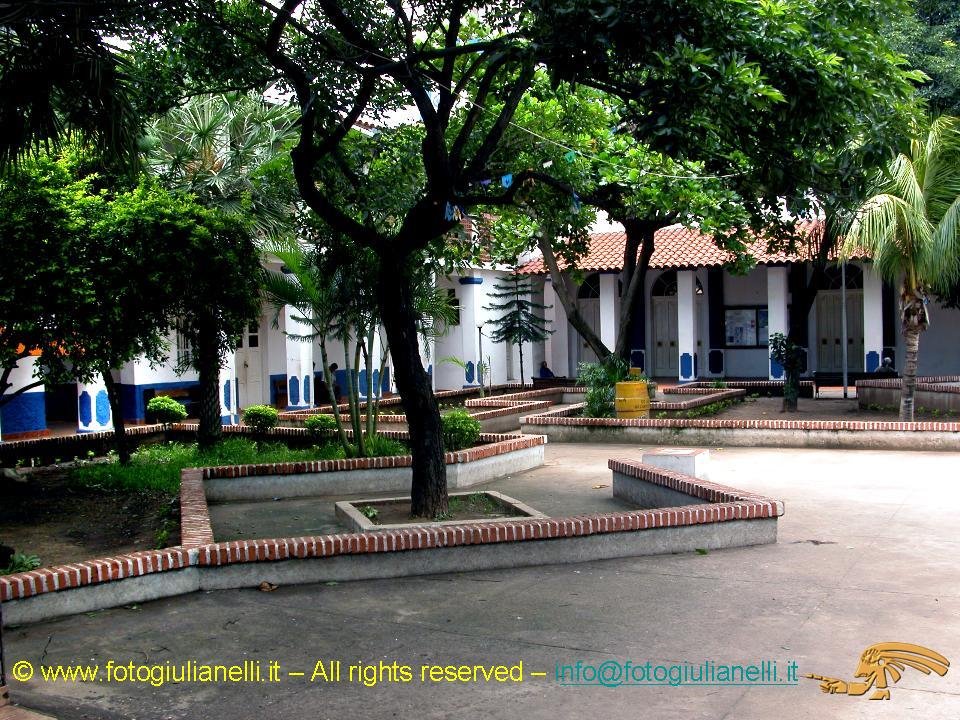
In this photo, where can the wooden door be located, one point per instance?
(830, 331)
(250, 367)
(666, 358)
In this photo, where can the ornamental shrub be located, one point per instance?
(601, 379)
(319, 424)
(790, 356)
(460, 430)
(260, 417)
(166, 410)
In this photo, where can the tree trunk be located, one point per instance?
(353, 400)
(911, 339)
(640, 236)
(332, 397)
(523, 378)
(210, 428)
(116, 409)
(914, 320)
(569, 302)
(428, 491)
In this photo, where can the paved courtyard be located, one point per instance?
(867, 553)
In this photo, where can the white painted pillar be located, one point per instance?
(556, 348)
(776, 312)
(93, 407)
(687, 325)
(373, 380)
(608, 310)
(428, 358)
(872, 318)
(299, 361)
(471, 315)
(229, 413)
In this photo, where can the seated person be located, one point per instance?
(887, 367)
(545, 372)
(323, 392)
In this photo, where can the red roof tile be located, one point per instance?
(674, 247)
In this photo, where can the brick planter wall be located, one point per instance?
(734, 519)
(564, 425)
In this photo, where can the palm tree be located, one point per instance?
(226, 151)
(60, 75)
(333, 294)
(910, 228)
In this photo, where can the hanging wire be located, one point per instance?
(543, 138)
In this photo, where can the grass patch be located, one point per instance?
(476, 503)
(714, 408)
(157, 467)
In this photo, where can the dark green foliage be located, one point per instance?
(157, 467)
(790, 356)
(381, 446)
(773, 85)
(714, 408)
(601, 379)
(260, 417)
(929, 37)
(21, 562)
(320, 425)
(460, 430)
(166, 410)
(519, 321)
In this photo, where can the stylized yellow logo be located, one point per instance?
(884, 663)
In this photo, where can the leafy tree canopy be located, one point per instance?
(776, 83)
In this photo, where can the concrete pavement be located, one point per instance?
(867, 553)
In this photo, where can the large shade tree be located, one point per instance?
(767, 81)
(101, 276)
(910, 227)
(586, 161)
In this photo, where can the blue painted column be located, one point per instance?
(687, 325)
(93, 407)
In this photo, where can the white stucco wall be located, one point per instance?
(749, 289)
(939, 345)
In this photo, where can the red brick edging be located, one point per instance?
(198, 549)
(562, 417)
(497, 445)
(91, 572)
(695, 487)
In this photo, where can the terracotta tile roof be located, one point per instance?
(674, 247)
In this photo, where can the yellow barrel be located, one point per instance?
(635, 373)
(632, 400)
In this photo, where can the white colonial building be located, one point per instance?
(697, 321)
(700, 321)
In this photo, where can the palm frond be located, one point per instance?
(891, 232)
(946, 248)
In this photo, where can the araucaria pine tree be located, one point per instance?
(519, 322)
